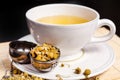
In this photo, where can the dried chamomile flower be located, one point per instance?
(87, 72)
(77, 70)
(62, 65)
(58, 77)
(97, 78)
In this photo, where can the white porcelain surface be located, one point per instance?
(97, 57)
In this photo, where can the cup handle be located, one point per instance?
(111, 25)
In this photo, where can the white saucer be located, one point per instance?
(97, 57)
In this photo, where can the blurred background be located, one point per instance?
(13, 22)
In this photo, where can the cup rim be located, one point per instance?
(58, 25)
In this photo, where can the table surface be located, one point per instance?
(113, 73)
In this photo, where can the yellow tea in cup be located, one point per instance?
(62, 19)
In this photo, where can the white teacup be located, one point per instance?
(70, 39)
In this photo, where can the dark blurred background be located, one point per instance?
(12, 14)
